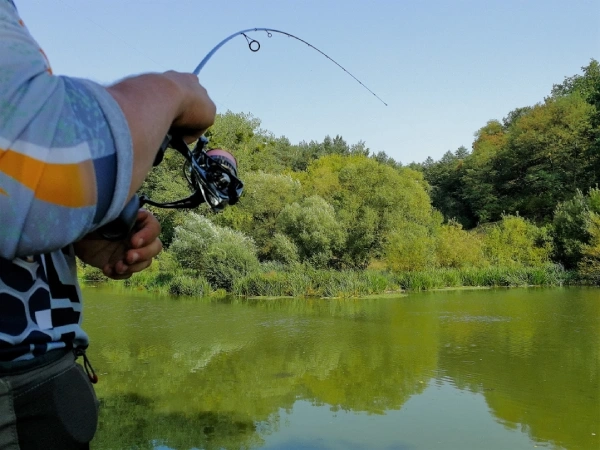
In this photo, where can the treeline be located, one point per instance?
(328, 218)
(540, 162)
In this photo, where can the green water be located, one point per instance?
(484, 369)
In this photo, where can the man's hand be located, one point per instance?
(156, 104)
(121, 259)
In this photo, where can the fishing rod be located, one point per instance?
(211, 174)
(254, 46)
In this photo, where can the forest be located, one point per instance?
(332, 219)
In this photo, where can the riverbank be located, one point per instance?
(305, 281)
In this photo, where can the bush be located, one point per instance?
(283, 250)
(89, 273)
(458, 248)
(216, 253)
(314, 229)
(409, 247)
(589, 266)
(189, 286)
(515, 241)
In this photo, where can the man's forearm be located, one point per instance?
(150, 104)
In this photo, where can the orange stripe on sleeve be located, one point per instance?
(69, 185)
(48, 67)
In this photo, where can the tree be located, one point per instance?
(545, 157)
(265, 196)
(589, 266)
(240, 134)
(479, 174)
(515, 241)
(313, 227)
(571, 227)
(445, 177)
(370, 200)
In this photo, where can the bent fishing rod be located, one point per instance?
(211, 174)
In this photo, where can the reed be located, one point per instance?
(304, 281)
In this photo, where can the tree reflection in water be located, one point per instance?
(197, 373)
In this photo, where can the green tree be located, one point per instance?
(458, 248)
(479, 191)
(410, 246)
(240, 134)
(571, 226)
(265, 196)
(313, 227)
(515, 241)
(370, 199)
(589, 266)
(545, 158)
(446, 179)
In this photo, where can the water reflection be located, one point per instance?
(465, 369)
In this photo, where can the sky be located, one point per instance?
(444, 68)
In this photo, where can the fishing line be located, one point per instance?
(254, 46)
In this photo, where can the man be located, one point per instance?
(72, 153)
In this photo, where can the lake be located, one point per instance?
(467, 369)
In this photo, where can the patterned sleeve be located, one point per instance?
(65, 149)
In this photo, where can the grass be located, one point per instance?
(305, 281)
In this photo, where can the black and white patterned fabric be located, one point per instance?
(40, 306)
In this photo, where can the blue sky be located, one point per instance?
(444, 67)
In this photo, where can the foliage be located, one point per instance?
(458, 248)
(515, 241)
(410, 247)
(545, 158)
(283, 250)
(446, 179)
(265, 196)
(371, 201)
(570, 226)
(589, 266)
(217, 253)
(535, 158)
(312, 226)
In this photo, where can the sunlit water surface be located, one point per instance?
(481, 369)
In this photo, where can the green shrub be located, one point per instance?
(589, 266)
(283, 249)
(410, 247)
(189, 286)
(89, 273)
(458, 248)
(514, 241)
(218, 254)
(313, 228)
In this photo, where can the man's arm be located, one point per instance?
(153, 104)
(73, 152)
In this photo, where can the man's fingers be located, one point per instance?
(121, 271)
(148, 229)
(145, 253)
(139, 267)
(116, 272)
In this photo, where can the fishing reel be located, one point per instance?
(211, 176)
